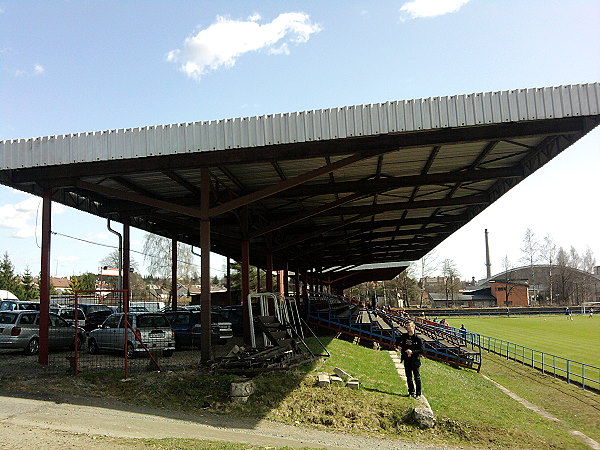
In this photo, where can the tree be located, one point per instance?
(30, 291)
(83, 282)
(548, 254)
(530, 254)
(450, 273)
(9, 281)
(588, 261)
(157, 253)
(112, 260)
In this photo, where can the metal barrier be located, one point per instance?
(585, 375)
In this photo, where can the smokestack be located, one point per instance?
(488, 264)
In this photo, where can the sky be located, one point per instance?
(75, 66)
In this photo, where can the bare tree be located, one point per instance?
(588, 261)
(157, 253)
(548, 254)
(530, 254)
(574, 260)
(450, 273)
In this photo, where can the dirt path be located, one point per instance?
(584, 438)
(30, 423)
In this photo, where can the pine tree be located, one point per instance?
(30, 291)
(8, 280)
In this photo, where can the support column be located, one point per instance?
(45, 276)
(228, 280)
(286, 280)
(297, 285)
(246, 288)
(174, 274)
(257, 279)
(269, 275)
(205, 304)
(126, 263)
(280, 282)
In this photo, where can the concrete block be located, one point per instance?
(323, 380)
(424, 417)
(353, 383)
(341, 373)
(242, 389)
(336, 380)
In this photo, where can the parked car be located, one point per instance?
(95, 319)
(152, 329)
(68, 314)
(20, 330)
(89, 308)
(233, 314)
(18, 305)
(187, 328)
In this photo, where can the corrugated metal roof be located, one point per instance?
(307, 126)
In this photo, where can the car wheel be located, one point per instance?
(130, 350)
(168, 353)
(33, 347)
(93, 347)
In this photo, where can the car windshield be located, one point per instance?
(152, 321)
(7, 318)
(6, 306)
(218, 317)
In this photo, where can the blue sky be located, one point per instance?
(71, 66)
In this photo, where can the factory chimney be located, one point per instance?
(488, 264)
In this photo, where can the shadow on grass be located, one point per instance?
(189, 393)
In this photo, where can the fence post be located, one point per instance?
(569, 371)
(583, 376)
(543, 362)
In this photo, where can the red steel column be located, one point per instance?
(286, 280)
(126, 261)
(174, 274)
(228, 281)
(205, 319)
(269, 275)
(280, 286)
(246, 288)
(297, 285)
(45, 276)
(257, 279)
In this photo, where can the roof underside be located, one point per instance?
(320, 189)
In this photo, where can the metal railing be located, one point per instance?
(585, 375)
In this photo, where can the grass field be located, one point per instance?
(470, 410)
(577, 339)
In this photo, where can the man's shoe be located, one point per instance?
(411, 394)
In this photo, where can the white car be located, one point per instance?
(149, 331)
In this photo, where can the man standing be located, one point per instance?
(411, 347)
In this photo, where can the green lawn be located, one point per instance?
(577, 339)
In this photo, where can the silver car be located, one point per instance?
(149, 331)
(20, 330)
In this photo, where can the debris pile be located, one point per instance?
(338, 378)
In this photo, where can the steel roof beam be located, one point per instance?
(286, 184)
(389, 183)
(384, 207)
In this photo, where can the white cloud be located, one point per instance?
(223, 42)
(430, 8)
(21, 217)
(37, 70)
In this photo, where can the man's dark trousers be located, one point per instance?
(411, 369)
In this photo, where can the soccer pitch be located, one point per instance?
(577, 339)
